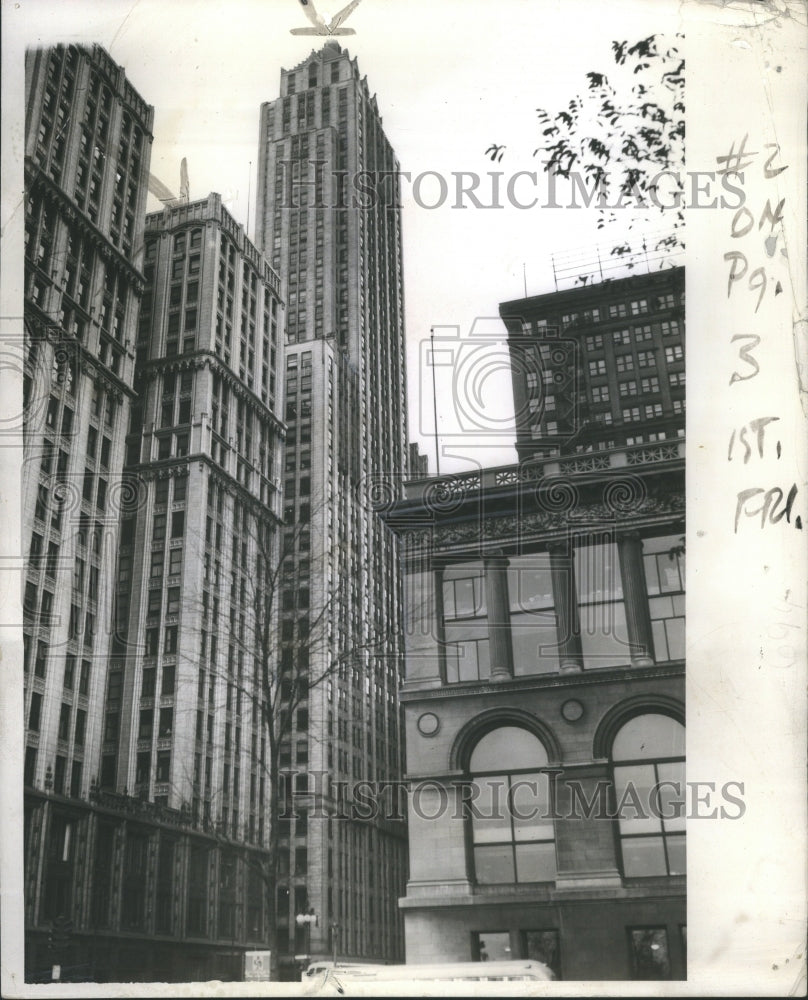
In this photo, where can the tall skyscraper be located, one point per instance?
(88, 143)
(339, 254)
(87, 152)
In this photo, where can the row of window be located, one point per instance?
(620, 310)
(645, 359)
(648, 949)
(512, 813)
(596, 574)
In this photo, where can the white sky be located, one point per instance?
(449, 82)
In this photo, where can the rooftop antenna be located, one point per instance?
(434, 399)
(524, 277)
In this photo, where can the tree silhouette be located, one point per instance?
(622, 139)
(285, 671)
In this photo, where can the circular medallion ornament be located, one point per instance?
(572, 710)
(428, 724)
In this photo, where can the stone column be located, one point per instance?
(499, 617)
(635, 595)
(565, 598)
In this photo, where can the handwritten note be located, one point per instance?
(754, 270)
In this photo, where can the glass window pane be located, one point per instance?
(535, 862)
(643, 856)
(530, 807)
(668, 569)
(660, 642)
(649, 953)
(483, 661)
(675, 629)
(597, 573)
(467, 668)
(529, 582)
(507, 745)
(494, 864)
(672, 796)
(677, 860)
(661, 607)
(464, 597)
(651, 575)
(463, 631)
(604, 636)
(650, 736)
(494, 946)
(661, 543)
(534, 642)
(636, 813)
(448, 600)
(490, 817)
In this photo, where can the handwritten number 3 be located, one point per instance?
(744, 353)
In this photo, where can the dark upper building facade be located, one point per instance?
(599, 366)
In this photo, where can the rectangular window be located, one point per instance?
(664, 560)
(175, 562)
(173, 605)
(649, 953)
(75, 779)
(465, 622)
(170, 640)
(64, 722)
(146, 724)
(35, 712)
(163, 766)
(604, 638)
(167, 686)
(81, 727)
(166, 727)
(148, 683)
(157, 561)
(532, 614)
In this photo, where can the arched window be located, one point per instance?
(648, 753)
(509, 808)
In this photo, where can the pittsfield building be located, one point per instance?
(345, 398)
